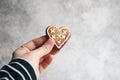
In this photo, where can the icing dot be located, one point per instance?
(59, 41)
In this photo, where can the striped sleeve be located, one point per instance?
(17, 69)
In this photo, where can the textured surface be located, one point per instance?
(92, 53)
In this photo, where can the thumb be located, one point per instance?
(45, 48)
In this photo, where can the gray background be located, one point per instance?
(92, 53)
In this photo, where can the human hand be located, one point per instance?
(38, 52)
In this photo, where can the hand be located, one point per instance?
(38, 52)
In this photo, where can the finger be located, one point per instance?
(35, 43)
(31, 45)
(54, 51)
(19, 52)
(45, 62)
(45, 48)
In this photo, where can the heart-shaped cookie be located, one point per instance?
(60, 35)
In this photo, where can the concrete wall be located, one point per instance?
(92, 53)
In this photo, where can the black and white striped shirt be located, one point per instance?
(17, 69)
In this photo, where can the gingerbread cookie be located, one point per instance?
(60, 35)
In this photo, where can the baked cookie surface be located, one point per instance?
(60, 35)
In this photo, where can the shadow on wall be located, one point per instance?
(13, 13)
(14, 20)
(5, 47)
(5, 21)
(4, 38)
(7, 6)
